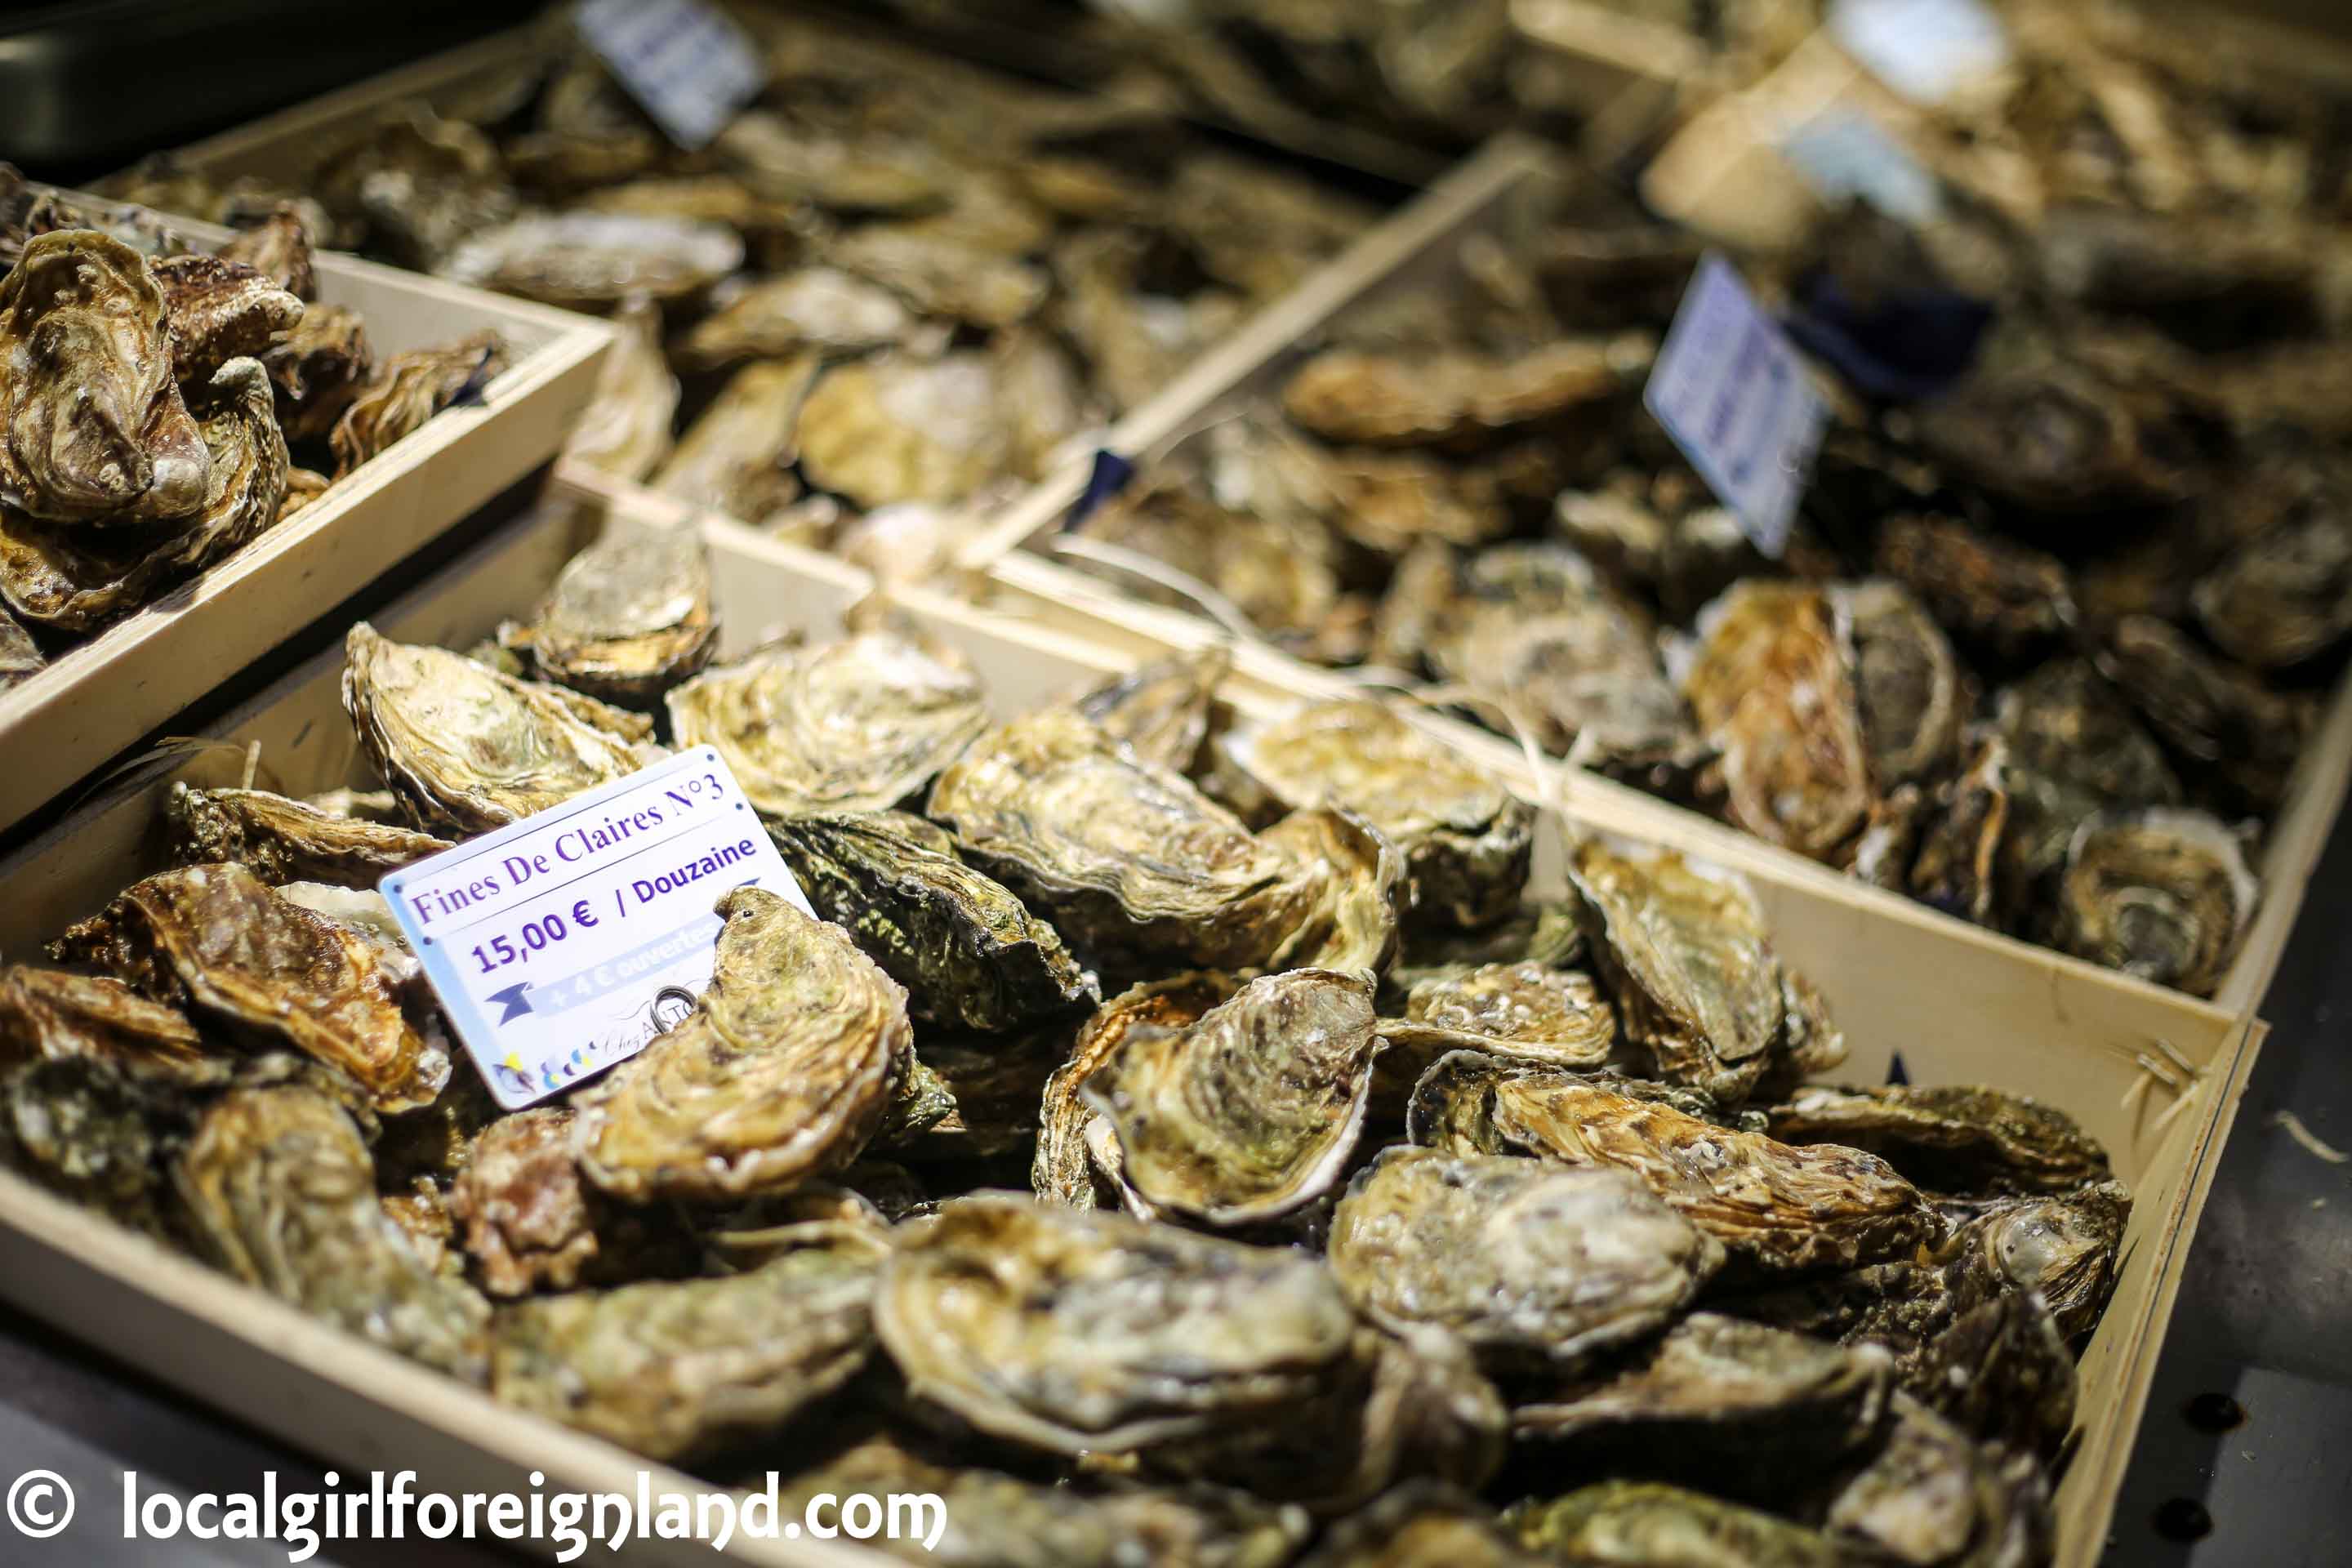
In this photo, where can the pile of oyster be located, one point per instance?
(1177, 1128)
(157, 404)
(890, 291)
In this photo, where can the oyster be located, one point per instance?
(1958, 860)
(93, 1132)
(421, 183)
(20, 656)
(906, 429)
(781, 1074)
(2067, 1247)
(1062, 1172)
(1644, 1525)
(465, 746)
(1775, 1207)
(1129, 860)
(629, 617)
(75, 578)
(588, 260)
(1432, 400)
(737, 458)
(303, 486)
(672, 1370)
(2000, 1372)
(520, 1205)
(626, 430)
(1162, 710)
(994, 1085)
(283, 840)
(280, 248)
(1750, 1411)
(2160, 893)
(856, 725)
(218, 311)
(1526, 1010)
(1528, 1263)
(1422, 1524)
(2285, 596)
(317, 368)
(2011, 601)
(1466, 839)
(963, 946)
(1682, 947)
(1096, 1333)
(1932, 1494)
(216, 940)
(409, 389)
(1351, 879)
(1252, 1110)
(48, 1013)
(1906, 683)
(1771, 688)
(2073, 747)
(1950, 1137)
(815, 309)
(2041, 432)
(943, 279)
(277, 1185)
(2209, 711)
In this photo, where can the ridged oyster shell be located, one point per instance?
(217, 310)
(51, 1013)
(589, 260)
(1379, 401)
(906, 429)
(283, 840)
(626, 430)
(736, 457)
(316, 368)
(816, 308)
(466, 747)
(781, 1074)
(1948, 1138)
(409, 389)
(2162, 893)
(1062, 1171)
(856, 725)
(628, 618)
(1162, 710)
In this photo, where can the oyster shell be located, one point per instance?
(1683, 948)
(1750, 1411)
(1771, 688)
(626, 430)
(2001, 1373)
(628, 618)
(1959, 857)
(281, 840)
(906, 429)
(1433, 400)
(421, 183)
(589, 260)
(1351, 880)
(1422, 1524)
(1250, 1111)
(1130, 861)
(1525, 1010)
(1933, 1495)
(316, 368)
(963, 946)
(217, 310)
(737, 458)
(2052, 435)
(49, 1013)
(995, 1086)
(526, 1216)
(303, 486)
(856, 725)
(1468, 841)
(469, 748)
(672, 1370)
(216, 940)
(1775, 1207)
(1629, 1523)
(1162, 712)
(2073, 747)
(2066, 1248)
(1096, 1333)
(93, 1132)
(277, 1186)
(2209, 711)
(2161, 893)
(1907, 684)
(280, 248)
(94, 426)
(819, 309)
(409, 389)
(944, 278)
(1062, 1172)
(20, 656)
(2011, 601)
(781, 1074)
(1950, 1137)
(2283, 597)
(1529, 1263)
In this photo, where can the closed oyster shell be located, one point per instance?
(1683, 948)
(281, 840)
(1352, 881)
(737, 458)
(590, 260)
(626, 430)
(316, 368)
(466, 747)
(1528, 1263)
(1906, 683)
(669, 1370)
(2162, 893)
(217, 310)
(1096, 1333)
(1772, 689)
(1950, 1137)
(1062, 1170)
(906, 429)
(1379, 401)
(1422, 1524)
(1933, 1495)
(277, 1186)
(94, 1131)
(856, 725)
(944, 278)
(1775, 1207)
(20, 656)
(91, 412)
(422, 183)
(781, 1073)
(963, 946)
(628, 618)
(1252, 1110)
(50, 1014)
(1957, 861)
(2001, 1373)
(2066, 1247)
(1468, 841)
(280, 248)
(409, 389)
(1162, 710)
(2208, 710)
(1640, 1524)
(2285, 596)
(1130, 861)
(216, 940)
(819, 309)
(2005, 598)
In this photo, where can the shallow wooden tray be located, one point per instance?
(1958, 1005)
(108, 690)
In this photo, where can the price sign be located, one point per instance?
(1736, 398)
(561, 944)
(686, 63)
(1926, 50)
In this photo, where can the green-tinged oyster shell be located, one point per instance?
(2068, 1248)
(1643, 1524)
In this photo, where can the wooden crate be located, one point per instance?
(105, 692)
(1417, 245)
(1958, 1005)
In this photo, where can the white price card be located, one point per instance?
(1926, 50)
(688, 64)
(1736, 398)
(563, 944)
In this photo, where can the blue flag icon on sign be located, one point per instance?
(513, 999)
